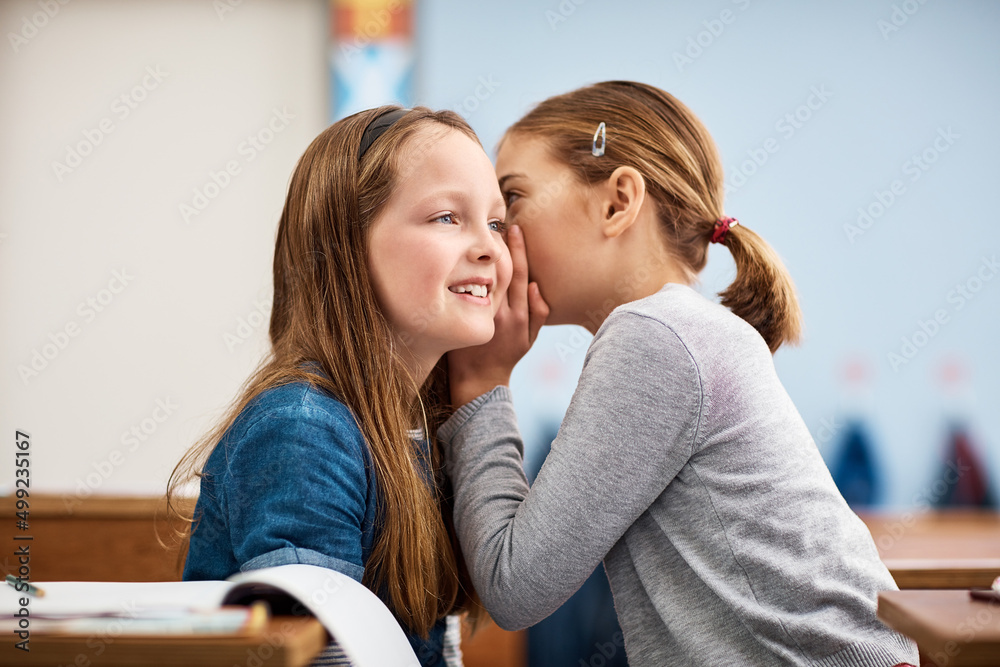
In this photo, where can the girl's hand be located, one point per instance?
(473, 371)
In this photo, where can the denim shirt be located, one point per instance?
(291, 481)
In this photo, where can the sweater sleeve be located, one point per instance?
(630, 427)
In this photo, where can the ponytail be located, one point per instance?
(762, 293)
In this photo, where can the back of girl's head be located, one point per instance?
(325, 312)
(650, 130)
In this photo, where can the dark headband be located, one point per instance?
(377, 127)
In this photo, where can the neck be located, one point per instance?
(634, 275)
(418, 364)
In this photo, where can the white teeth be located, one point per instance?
(474, 290)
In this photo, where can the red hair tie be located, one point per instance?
(722, 226)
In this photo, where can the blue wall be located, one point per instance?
(888, 83)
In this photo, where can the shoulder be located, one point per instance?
(296, 421)
(689, 321)
(638, 358)
(298, 402)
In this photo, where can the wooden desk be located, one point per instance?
(940, 549)
(950, 628)
(114, 538)
(287, 642)
(100, 538)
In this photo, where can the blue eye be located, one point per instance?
(447, 218)
(497, 226)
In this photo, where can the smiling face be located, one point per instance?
(559, 217)
(438, 262)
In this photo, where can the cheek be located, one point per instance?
(504, 272)
(401, 283)
(539, 251)
(379, 271)
(505, 268)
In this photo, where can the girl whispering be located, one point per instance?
(681, 463)
(389, 254)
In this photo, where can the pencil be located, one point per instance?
(31, 588)
(259, 614)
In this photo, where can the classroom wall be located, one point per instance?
(817, 110)
(137, 319)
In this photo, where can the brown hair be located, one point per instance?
(325, 311)
(653, 132)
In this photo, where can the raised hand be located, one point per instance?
(476, 370)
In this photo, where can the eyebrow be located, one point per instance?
(506, 177)
(461, 196)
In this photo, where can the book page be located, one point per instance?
(77, 599)
(363, 626)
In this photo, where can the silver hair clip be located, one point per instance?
(596, 150)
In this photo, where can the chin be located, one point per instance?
(557, 316)
(481, 338)
(473, 336)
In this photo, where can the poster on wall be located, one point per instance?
(372, 55)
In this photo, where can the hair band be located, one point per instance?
(595, 150)
(722, 226)
(377, 127)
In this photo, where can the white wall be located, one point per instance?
(166, 291)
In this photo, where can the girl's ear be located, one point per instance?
(625, 191)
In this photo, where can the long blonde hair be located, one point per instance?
(652, 131)
(325, 311)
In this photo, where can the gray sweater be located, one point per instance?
(683, 465)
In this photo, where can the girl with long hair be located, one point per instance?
(681, 463)
(389, 253)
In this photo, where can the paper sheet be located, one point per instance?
(362, 625)
(359, 621)
(73, 599)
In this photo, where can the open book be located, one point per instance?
(354, 616)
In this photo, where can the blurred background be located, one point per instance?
(146, 149)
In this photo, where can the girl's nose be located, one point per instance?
(488, 246)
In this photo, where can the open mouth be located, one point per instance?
(474, 290)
